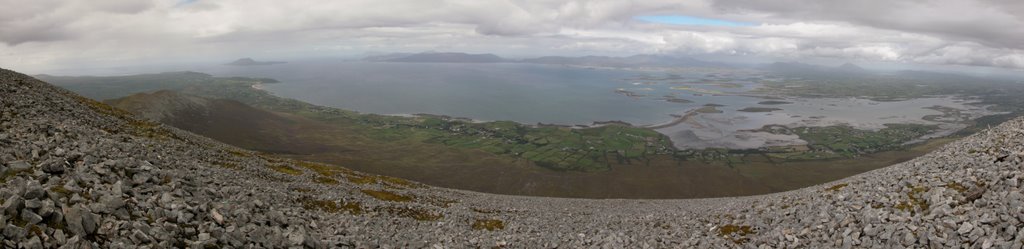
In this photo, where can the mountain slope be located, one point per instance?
(79, 173)
(224, 120)
(850, 67)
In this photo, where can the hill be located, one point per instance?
(850, 67)
(119, 86)
(110, 87)
(224, 120)
(251, 62)
(79, 173)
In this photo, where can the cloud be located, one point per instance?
(691, 20)
(53, 33)
(49, 20)
(992, 22)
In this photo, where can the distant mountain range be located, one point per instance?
(438, 58)
(798, 69)
(628, 61)
(594, 61)
(251, 62)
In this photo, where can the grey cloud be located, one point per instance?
(122, 6)
(991, 22)
(47, 20)
(38, 33)
(971, 32)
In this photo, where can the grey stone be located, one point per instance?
(90, 222)
(141, 237)
(296, 238)
(19, 166)
(33, 243)
(53, 167)
(73, 242)
(73, 218)
(13, 204)
(13, 232)
(76, 199)
(30, 217)
(59, 237)
(33, 190)
(33, 203)
(112, 202)
(965, 228)
(117, 189)
(46, 208)
(988, 242)
(217, 217)
(204, 237)
(140, 178)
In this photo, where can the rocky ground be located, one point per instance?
(79, 174)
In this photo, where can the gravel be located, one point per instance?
(78, 174)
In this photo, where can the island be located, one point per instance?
(774, 102)
(759, 109)
(251, 62)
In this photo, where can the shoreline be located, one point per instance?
(678, 119)
(681, 118)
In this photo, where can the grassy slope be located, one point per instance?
(845, 141)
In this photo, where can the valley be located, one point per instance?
(603, 160)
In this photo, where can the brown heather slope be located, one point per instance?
(228, 121)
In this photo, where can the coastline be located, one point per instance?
(679, 118)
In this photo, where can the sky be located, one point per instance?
(46, 35)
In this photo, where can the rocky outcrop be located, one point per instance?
(78, 173)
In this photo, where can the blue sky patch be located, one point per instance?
(690, 20)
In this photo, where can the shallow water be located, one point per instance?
(731, 128)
